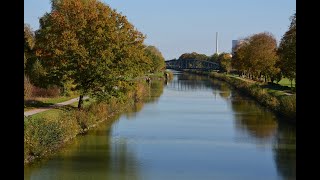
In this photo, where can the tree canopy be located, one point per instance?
(224, 60)
(256, 56)
(158, 62)
(92, 45)
(287, 51)
(193, 55)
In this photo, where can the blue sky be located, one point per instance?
(180, 26)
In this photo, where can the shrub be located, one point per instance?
(41, 135)
(288, 106)
(42, 92)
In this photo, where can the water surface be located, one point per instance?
(197, 129)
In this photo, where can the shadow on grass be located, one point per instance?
(67, 107)
(278, 87)
(36, 104)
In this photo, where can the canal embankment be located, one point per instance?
(283, 104)
(46, 132)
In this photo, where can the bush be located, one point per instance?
(41, 135)
(288, 106)
(42, 92)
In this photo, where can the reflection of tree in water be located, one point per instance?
(223, 88)
(92, 156)
(262, 125)
(251, 118)
(154, 91)
(284, 150)
(187, 82)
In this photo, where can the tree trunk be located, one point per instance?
(80, 102)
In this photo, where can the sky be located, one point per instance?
(184, 26)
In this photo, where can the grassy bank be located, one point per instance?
(46, 132)
(46, 101)
(281, 104)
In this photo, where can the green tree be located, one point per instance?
(193, 55)
(224, 61)
(214, 58)
(158, 62)
(92, 45)
(287, 51)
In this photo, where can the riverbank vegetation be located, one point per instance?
(47, 131)
(284, 105)
(88, 48)
(82, 48)
(260, 69)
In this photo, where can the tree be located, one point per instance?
(29, 41)
(263, 55)
(92, 45)
(224, 61)
(287, 51)
(214, 58)
(193, 55)
(256, 56)
(240, 57)
(156, 57)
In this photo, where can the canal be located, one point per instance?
(192, 127)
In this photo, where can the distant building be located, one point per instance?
(234, 44)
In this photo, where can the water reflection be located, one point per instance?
(97, 154)
(153, 93)
(188, 133)
(253, 119)
(284, 150)
(190, 82)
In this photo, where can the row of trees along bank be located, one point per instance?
(89, 45)
(257, 56)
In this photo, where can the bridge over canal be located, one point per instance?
(191, 64)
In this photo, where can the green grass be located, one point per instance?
(286, 82)
(50, 113)
(276, 90)
(86, 103)
(44, 102)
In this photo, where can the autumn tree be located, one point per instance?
(263, 55)
(287, 51)
(224, 61)
(29, 41)
(256, 56)
(158, 62)
(92, 45)
(240, 57)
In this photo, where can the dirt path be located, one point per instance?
(41, 109)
